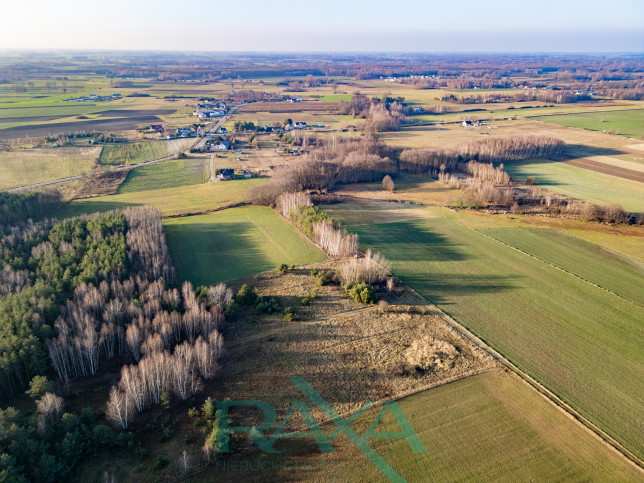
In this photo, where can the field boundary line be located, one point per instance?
(536, 385)
(554, 266)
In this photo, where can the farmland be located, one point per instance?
(168, 174)
(559, 297)
(581, 183)
(628, 123)
(124, 154)
(25, 167)
(612, 272)
(171, 201)
(220, 246)
(499, 293)
(532, 440)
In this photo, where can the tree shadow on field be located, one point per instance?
(411, 241)
(584, 150)
(90, 207)
(442, 288)
(208, 253)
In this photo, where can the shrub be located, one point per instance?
(193, 413)
(361, 292)
(306, 301)
(125, 440)
(283, 268)
(160, 463)
(101, 434)
(289, 315)
(267, 305)
(323, 277)
(246, 295)
(165, 400)
(167, 435)
(530, 180)
(209, 409)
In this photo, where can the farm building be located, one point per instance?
(226, 174)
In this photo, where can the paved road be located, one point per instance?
(200, 144)
(215, 128)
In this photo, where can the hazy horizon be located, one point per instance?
(411, 26)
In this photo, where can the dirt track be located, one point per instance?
(606, 169)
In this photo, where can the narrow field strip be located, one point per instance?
(606, 169)
(482, 232)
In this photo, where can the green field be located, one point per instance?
(167, 174)
(583, 343)
(132, 153)
(625, 123)
(608, 270)
(170, 201)
(234, 243)
(490, 427)
(25, 167)
(581, 183)
(336, 97)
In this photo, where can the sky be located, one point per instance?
(326, 25)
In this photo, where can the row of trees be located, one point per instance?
(335, 240)
(371, 269)
(556, 96)
(490, 150)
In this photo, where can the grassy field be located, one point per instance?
(211, 248)
(490, 427)
(170, 201)
(167, 174)
(132, 153)
(610, 271)
(582, 342)
(628, 123)
(581, 183)
(336, 97)
(20, 168)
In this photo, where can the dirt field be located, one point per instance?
(607, 169)
(303, 106)
(30, 119)
(37, 130)
(136, 112)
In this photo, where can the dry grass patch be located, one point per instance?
(350, 353)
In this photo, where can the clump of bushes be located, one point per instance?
(283, 268)
(267, 305)
(361, 292)
(323, 277)
(263, 305)
(246, 295)
(312, 296)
